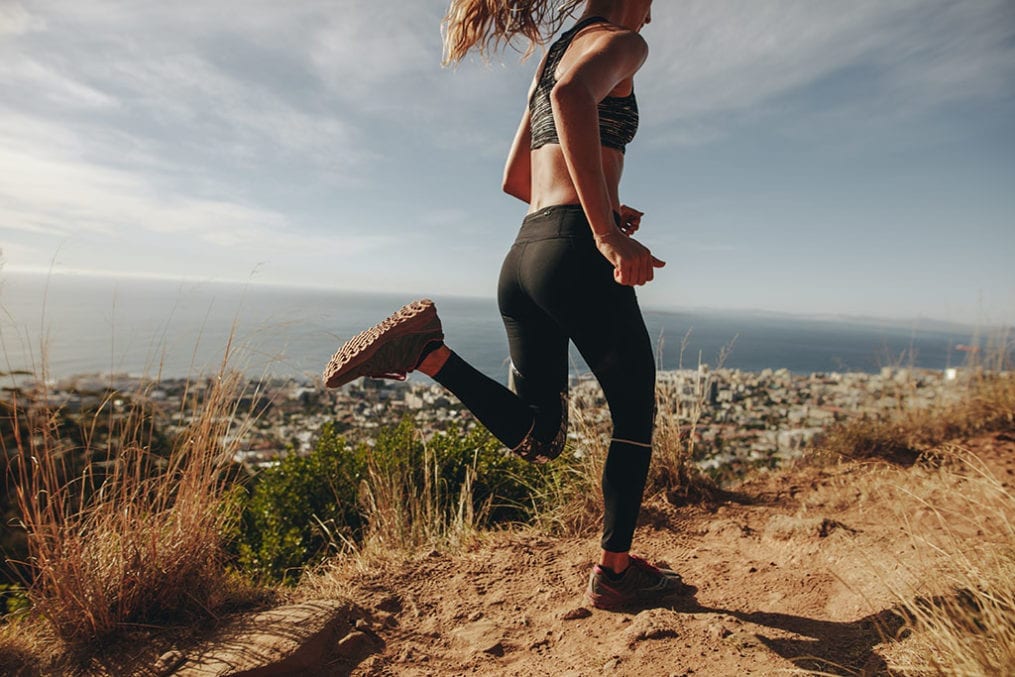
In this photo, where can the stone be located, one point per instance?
(483, 636)
(168, 662)
(612, 664)
(652, 624)
(576, 613)
(287, 640)
(354, 644)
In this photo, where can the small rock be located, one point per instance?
(286, 640)
(496, 649)
(168, 662)
(612, 664)
(475, 616)
(391, 604)
(576, 613)
(482, 636)
(354, 644)
(717, 631)
(652, 624)
(744, 640)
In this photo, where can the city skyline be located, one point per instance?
(809, 158)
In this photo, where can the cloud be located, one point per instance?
(50, 188)
(165, 74)
(710, 58)
(16, 20)
(44, 82)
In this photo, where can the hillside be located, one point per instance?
(809, 568)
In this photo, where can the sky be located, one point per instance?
(802, 156)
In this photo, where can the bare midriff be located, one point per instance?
(551, 182)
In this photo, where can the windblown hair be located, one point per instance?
(488, 24)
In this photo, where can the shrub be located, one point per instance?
(134, 539)
(300, 507)
(400, 491)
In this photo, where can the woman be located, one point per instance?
(570, 275)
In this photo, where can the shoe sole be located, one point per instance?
(688, 592)
(358, 350)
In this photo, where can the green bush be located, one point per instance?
(299, 507)
(308, 505)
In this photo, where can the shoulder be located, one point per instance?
(617, 42)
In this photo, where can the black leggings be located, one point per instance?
(555, 286)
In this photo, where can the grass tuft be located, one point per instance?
(962, 620)
(986, 404)
(135, 538)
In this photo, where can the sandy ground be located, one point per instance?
(801, 573)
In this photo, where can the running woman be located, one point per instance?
(570, 275)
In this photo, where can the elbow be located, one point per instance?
(513, 189)
(568, 94)
(516, 181)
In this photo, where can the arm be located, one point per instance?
(575, 99)
(518, 169)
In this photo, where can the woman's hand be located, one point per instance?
(630, 219)
(633, 263)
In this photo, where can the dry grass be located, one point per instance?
(961, 621)
(983, 401)
(402, 515)
(987, 404)
(678, 414)
(137, 539)
(673, 470)
(570, 501)
(19, 650)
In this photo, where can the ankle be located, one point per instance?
(617, 562)
(434, 361)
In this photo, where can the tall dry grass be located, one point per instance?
(569, 499)
(961, 620)
(984, 402)
(135, 538)
(403, 514)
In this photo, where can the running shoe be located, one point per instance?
(640, 584)
(390, 349)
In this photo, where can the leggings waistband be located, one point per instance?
(567, 221)
(558, 221)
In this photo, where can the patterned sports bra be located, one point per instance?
(618, 115)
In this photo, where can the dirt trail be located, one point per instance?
(798, 574)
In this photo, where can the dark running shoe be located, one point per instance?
(640, 584)
(390, 349)
(642, 562)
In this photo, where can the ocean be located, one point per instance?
(86, 325)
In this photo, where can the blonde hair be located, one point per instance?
(488, 24)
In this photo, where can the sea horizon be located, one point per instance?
(86, 323)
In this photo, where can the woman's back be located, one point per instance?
(551, 181)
